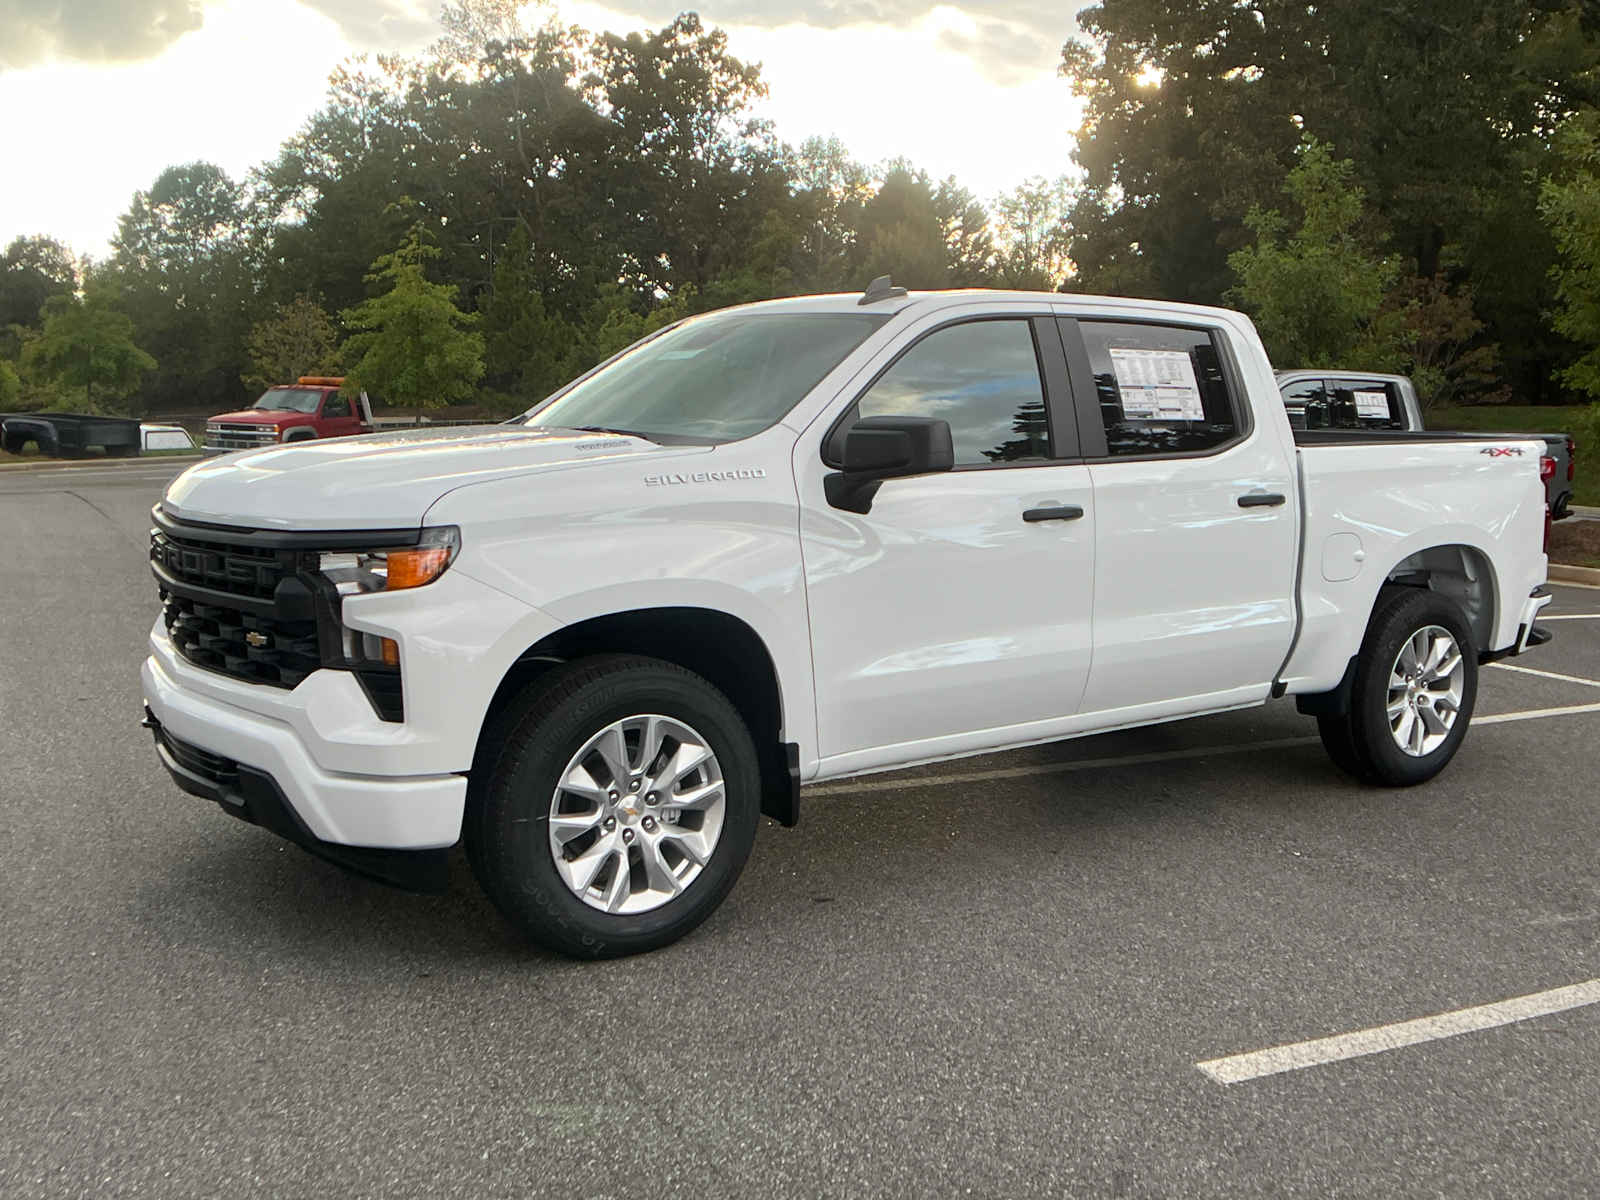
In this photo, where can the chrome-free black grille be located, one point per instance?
(242, 644)
(240, 570)
(255, 605)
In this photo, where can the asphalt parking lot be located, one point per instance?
(994, 977)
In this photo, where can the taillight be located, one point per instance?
(1572, 457)
(1547, 469)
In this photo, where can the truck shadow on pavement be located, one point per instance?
(933, 851)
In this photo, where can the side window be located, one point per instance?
(982, 377)
(1367, 404)
(1306, 401)
(1161, 389)
(336, 405)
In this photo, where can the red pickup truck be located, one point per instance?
(311, 408)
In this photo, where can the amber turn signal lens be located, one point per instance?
(391, 651)
(413, 568)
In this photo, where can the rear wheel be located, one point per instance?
(613, 806)
(1412, 695)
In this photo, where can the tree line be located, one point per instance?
(1408, 185)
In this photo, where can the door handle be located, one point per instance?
(1261, 500)
(1058, 512)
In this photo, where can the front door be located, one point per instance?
(1195, 520)
(337, 418)
(961, 602)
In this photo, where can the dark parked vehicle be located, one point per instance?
(1361, 400)
(70, 435)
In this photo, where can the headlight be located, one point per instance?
(361, 572)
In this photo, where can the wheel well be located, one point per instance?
(1460, 572)
(721, 649)
(301, 434)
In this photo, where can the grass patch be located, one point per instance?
(1507, 418)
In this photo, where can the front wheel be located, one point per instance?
(613, 806)
(1412, 695)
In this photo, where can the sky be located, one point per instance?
(98, 96)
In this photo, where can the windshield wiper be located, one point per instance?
(617, 432)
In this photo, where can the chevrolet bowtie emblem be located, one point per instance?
(256, 639)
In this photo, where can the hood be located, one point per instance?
(381, 480)
(261, 416)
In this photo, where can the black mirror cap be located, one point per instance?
(899, 446)
(879, 448)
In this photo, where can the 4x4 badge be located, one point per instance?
(1501, 451)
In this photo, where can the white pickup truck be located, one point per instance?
(799, 540)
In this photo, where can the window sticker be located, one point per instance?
(1372, 404)
(1157, 385)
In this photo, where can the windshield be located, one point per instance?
(301, 400)
(716, 378)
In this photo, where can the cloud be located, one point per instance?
(1011, 41)
(1007, 53)
(35, 31)
(384, 25)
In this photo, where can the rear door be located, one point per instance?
(961, 602)
(1195, 519)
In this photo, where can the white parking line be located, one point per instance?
(1296, 1056)
(1547, 674)
(1573, 617)
(1533, 714)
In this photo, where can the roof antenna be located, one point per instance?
(880, 289)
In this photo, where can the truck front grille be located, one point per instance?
(239, 437)
(241, 570)
(242, 644)
(263, 614)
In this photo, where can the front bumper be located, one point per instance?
(255, 796)
(351, 810)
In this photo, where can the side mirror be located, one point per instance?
(879, 448)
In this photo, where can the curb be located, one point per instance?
(1560, 574)
(96, 464)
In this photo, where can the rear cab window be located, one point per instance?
(1158, 389)
(1344, 402)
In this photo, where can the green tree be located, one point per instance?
(1317, 294)
(411, 345)
(299, 338)
(183, 268)
(10, 387)
(529, 351)
(1570, 205)
(901, 234)
(31, 271)
(1033, 234)
(88, 344)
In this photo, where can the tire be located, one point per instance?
(1409, 625)
(568, 728)
(1563, 507)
